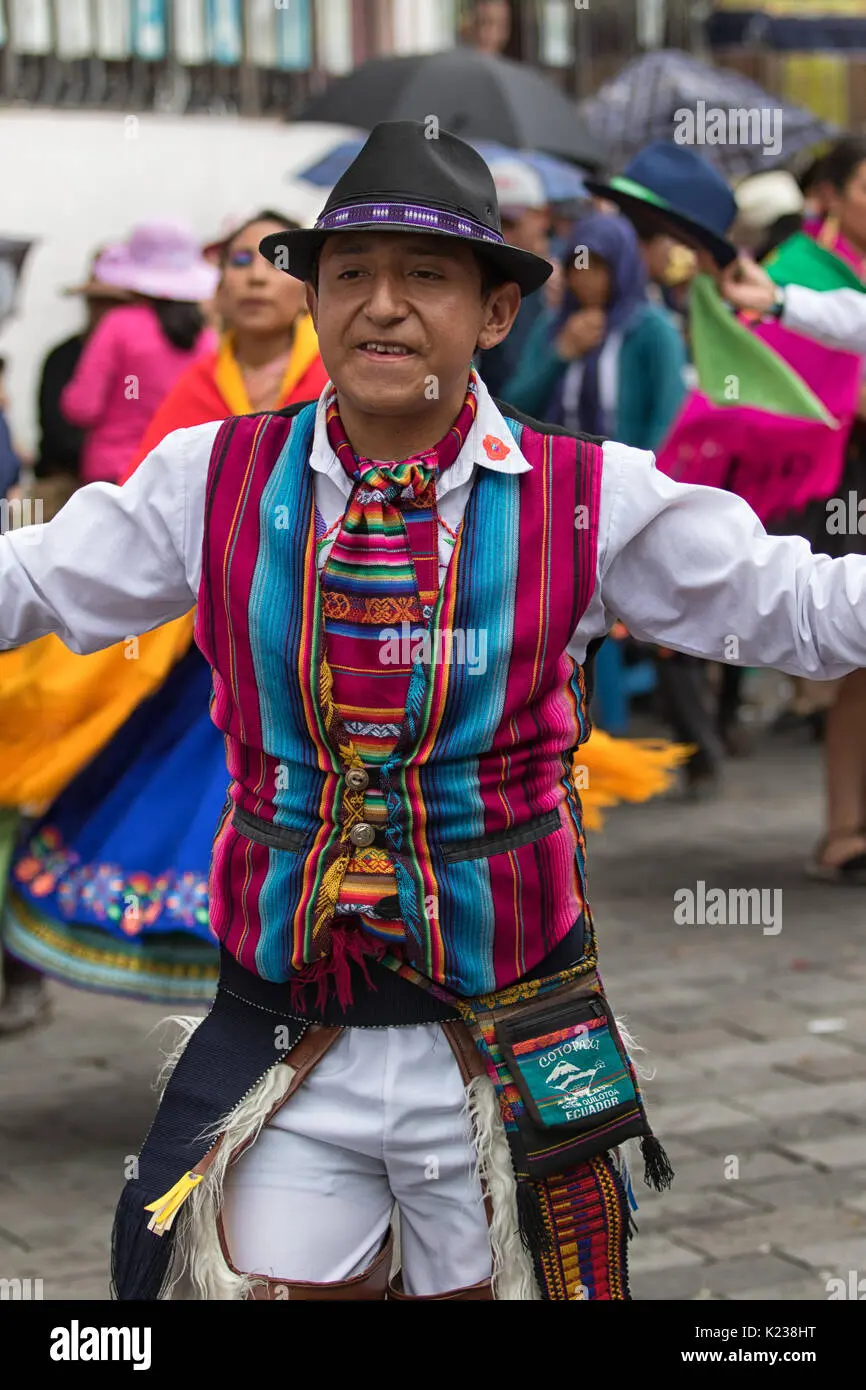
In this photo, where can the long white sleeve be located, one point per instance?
(688, 567)
(116, 561)
(836, 317)
(692, 568)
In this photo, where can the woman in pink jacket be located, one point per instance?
(135, 355)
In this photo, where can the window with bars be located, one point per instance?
(130, 53)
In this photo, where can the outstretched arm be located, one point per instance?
(692, 568)
(835, 317)
(115, 561)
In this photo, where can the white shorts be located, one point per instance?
(380, 1120)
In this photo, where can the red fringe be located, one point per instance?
(333, 973)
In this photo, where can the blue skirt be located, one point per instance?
(109, 891)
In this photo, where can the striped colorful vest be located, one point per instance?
(484, 821)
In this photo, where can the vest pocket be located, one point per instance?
(486, 846)
(264, 832)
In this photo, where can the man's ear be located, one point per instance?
(312, 303)
(500, 311)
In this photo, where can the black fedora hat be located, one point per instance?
(407, 179)
(668, 185)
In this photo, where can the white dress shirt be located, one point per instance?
(688, 567)
(836, 317)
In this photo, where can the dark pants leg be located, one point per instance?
(687, 704)
(729, 698)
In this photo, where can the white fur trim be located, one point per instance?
(187, 1024)
(199, 1269)
(513, 1274)
(632, 1046)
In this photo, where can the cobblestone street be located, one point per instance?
(757, 1040)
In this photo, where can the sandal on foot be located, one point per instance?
(851, 870)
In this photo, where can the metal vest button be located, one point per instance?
(362, 835)
(357, 780)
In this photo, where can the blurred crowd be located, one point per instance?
(175, 334)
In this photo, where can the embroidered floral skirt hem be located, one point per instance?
(109, 891)
(167, 970)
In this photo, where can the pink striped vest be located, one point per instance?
(483, 817)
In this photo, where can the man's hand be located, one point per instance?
(581, 333)
(745, 285)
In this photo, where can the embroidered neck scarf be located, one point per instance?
(381, 578)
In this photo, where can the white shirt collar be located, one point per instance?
(490, 444)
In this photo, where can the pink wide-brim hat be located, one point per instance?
(162, 260)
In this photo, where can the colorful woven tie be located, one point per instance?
(379, 589)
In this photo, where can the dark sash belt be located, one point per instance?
(248, 1030)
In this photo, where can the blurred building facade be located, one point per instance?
(812, 52)
(265, 57)
(248, 57)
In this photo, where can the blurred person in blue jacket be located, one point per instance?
(608, 361)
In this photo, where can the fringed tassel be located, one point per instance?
(140, 1260)
(530, 1217)
(658, 1172)
(329, 892)
(333, 973)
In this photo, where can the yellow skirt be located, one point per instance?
(58, 710)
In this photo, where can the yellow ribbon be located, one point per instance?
(166, 1208)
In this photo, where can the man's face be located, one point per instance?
(399, 317)
(528, 228)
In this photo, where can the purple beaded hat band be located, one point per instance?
(404, 181)
(409, 217)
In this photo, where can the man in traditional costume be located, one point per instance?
(398, 589)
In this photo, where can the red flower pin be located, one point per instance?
(494, 448)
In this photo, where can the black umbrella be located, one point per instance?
(473, 95)
(646, 100)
